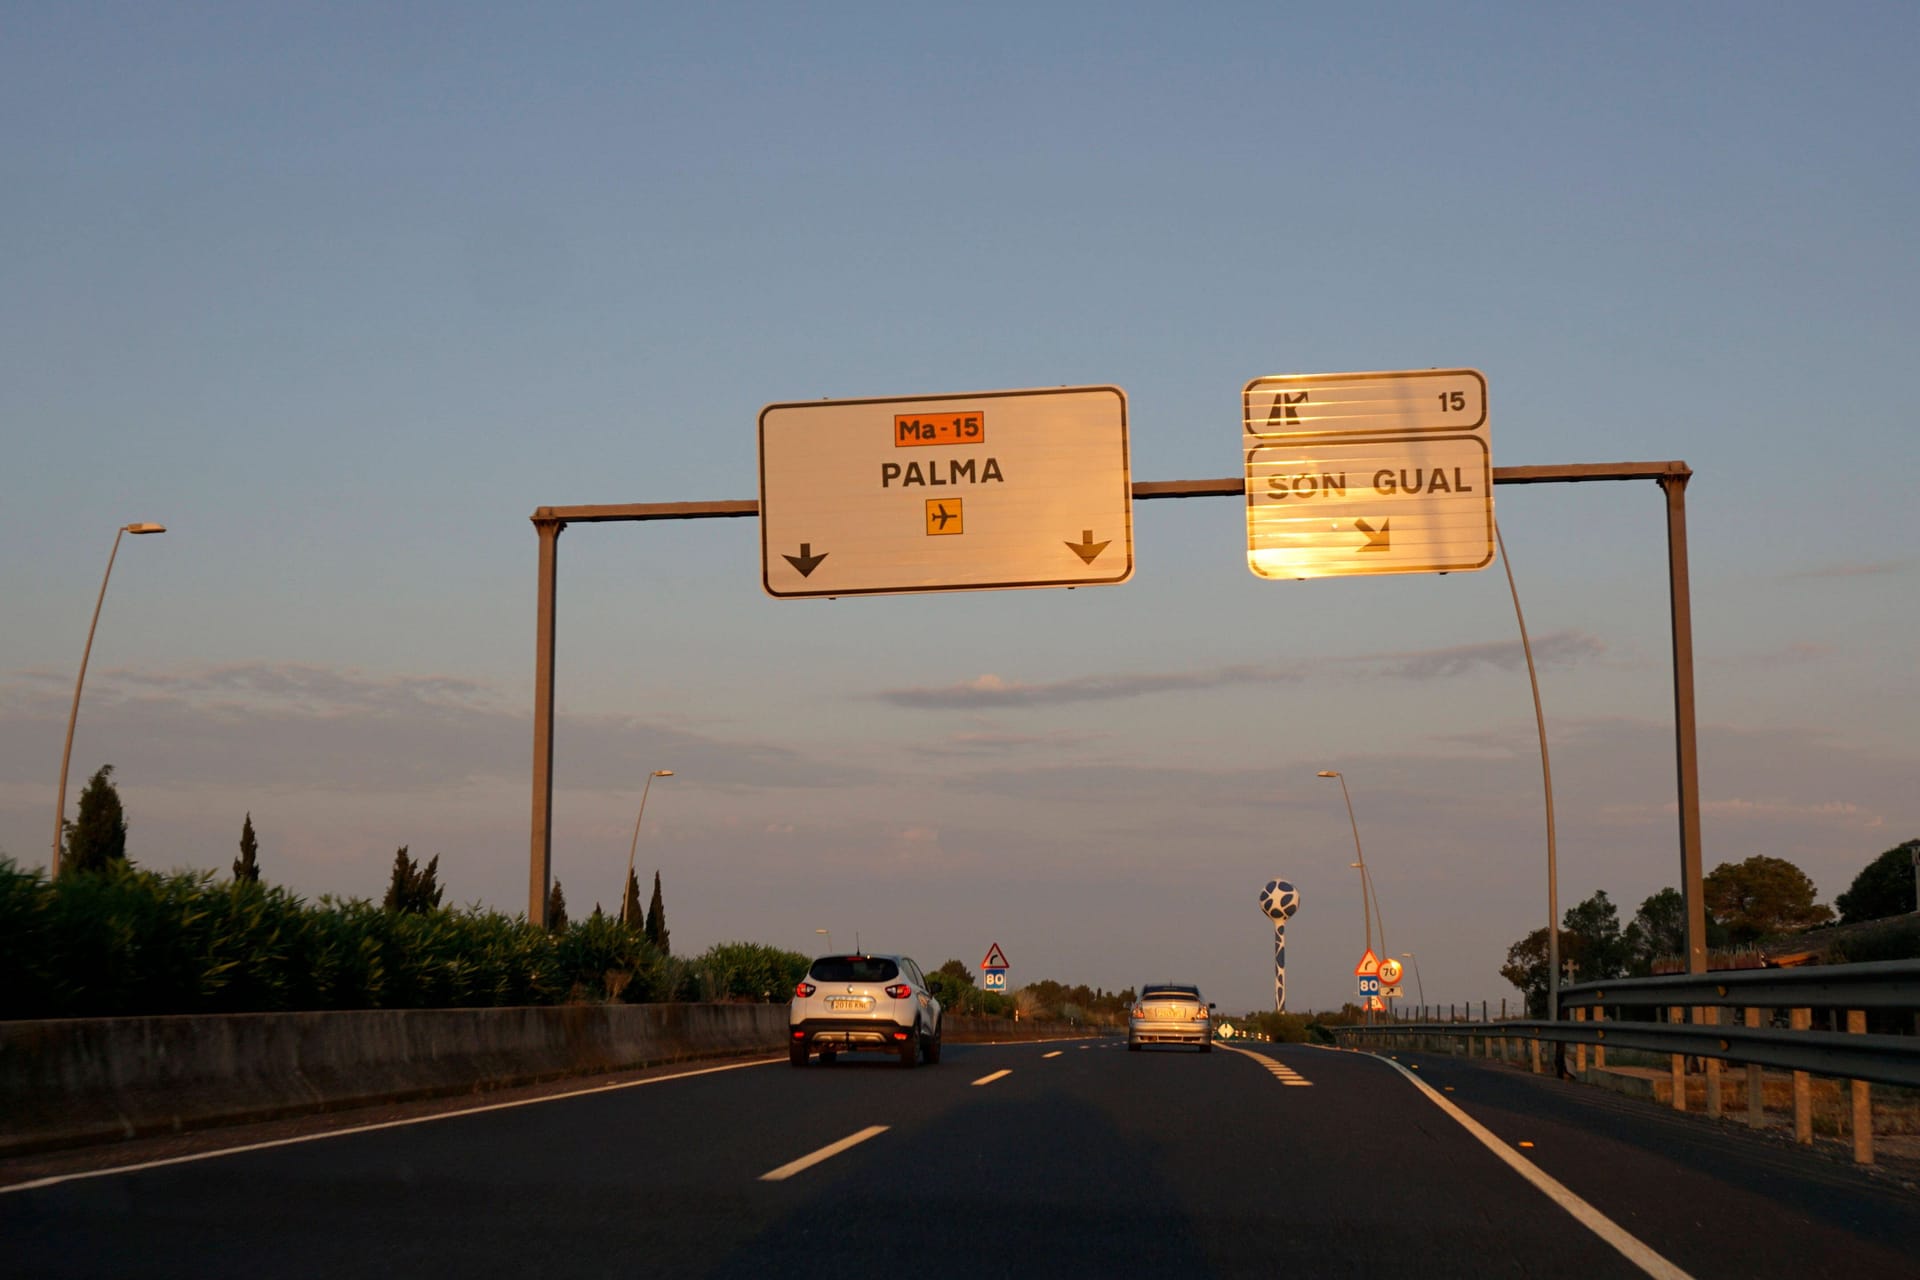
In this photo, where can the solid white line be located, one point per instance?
(56, 1179)
(1585, 1214)
(1056, 1053)
(827, 1152)
(995, 1076)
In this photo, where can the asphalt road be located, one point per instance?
(1063, 1159)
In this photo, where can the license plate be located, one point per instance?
(843, 1003)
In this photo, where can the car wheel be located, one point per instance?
(910, 1049)
(932, 1053)
(1206, 1048)
(1133, 1046)
(827, 1057)
(797, 1054)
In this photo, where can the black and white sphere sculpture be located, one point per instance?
(1279, 900)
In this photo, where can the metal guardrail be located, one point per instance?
(1881, 1059)
(1886, 984)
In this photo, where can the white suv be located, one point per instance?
(863, 1002)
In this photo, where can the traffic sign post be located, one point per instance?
(984, 491)
(993, 969)
(1368, 473)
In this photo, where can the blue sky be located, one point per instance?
(341, 295)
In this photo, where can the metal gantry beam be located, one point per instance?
(1672, 477)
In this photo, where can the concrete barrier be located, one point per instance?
(70, 1081)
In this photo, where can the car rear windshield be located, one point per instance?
(1171, 993)
(854, 969)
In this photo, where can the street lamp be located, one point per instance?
(829, 936)
(66, 753)
(657, 773)
(1366, 910)
(1418, 985)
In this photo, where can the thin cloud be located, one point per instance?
(324, 729)
(1865, 569)
(992, 691)
(1792, 656)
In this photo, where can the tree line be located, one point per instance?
(1759, 899)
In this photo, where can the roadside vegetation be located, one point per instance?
(1758, 911)
(107, 938)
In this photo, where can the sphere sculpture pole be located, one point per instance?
(1278, 901)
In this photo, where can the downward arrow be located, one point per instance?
(806, 562)
(1376, 541)
(1087, 549)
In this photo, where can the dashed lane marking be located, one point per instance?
(827, 1152)
(1056, 1053)
(1281, 1071)
(989, 1079)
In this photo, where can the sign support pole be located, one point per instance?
(541, 864)
(1686, 757)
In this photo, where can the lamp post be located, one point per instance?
(1418, 985)
(828, 934)
(657, 773)
(1366, 909)
(66, 752)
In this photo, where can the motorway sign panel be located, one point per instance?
(1368, 473)
(984, 491)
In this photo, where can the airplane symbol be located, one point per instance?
(942, 512)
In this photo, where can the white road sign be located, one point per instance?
(1363, 473)
(984, 491)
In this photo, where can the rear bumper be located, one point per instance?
(849, 1033)
(1150, 1031)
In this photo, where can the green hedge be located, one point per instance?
(132, 942)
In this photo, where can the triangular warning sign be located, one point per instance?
(1368, 966)
(996, 958)
(1374, 1005)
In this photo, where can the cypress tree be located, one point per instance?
(657, 932)
(247, 866)
(556, 910)
(97, 838)
(630, 904)
(413, 888)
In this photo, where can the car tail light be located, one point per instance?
(1199, 1015)
(1139, 1011)
(899, 1035)
(804, 990)
(899, 991)
(799, 1035)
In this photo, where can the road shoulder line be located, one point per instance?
(58, 1178)
(1629, 1245)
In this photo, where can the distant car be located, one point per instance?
(867, 1002)
(1169, 1013)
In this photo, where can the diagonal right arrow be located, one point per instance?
(1377, 540)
